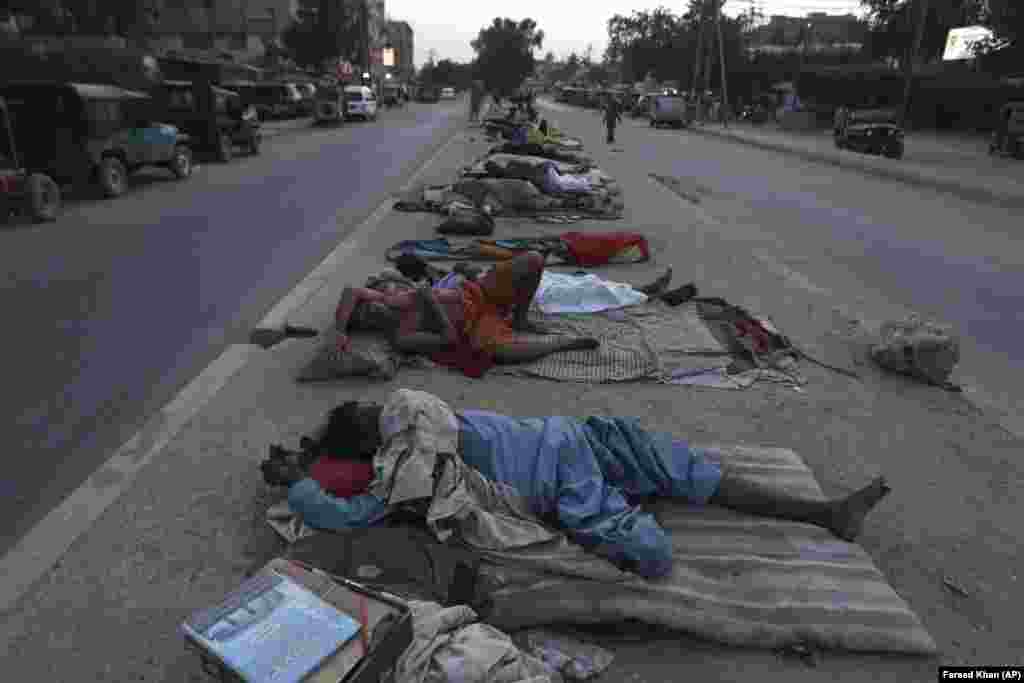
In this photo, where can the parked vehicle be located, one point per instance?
(429, 95)
(271, 100)
(447, 93)
(391, 95)
(360, 101)
(641, 107)
(668, 110)
(308, 102)
(217, 122)
(75, 133)
(1008, 137)
(868, 131)
(330, 104)
(32, 194)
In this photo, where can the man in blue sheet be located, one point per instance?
(586, 476)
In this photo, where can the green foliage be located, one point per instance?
(504, 54)
(662, 44)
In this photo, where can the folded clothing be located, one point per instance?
(595, 249)
(340, 477)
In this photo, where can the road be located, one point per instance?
(120, 303)
(874, 245)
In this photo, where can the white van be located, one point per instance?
(360, 101)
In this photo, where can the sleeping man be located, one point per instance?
(486, 315)
(584, 476)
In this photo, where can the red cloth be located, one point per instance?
(341, 477)
(470, 361)
(760, 338)
(598, 248)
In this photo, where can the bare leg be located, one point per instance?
(843, 517)
(528, 351)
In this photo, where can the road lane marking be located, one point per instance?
(47, 541)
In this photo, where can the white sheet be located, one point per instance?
(565, 293)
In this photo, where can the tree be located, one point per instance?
(328, 32)
(304, 42)
(892, 24)
(504, 54)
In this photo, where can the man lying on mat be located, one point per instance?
(485, 310)
(587, 476)
(486, 314)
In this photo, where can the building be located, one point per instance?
(244, 27)
(817, 29)
(400, 35)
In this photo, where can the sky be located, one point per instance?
(447, 26)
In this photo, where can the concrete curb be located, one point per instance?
(976, 194)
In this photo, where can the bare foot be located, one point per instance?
(659, 285)
(680, 295)
(582, 344)
(848, 518)
(531, 328)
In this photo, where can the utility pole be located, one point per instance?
(700, 51)
(721, 59)
(365, 38)
(911, 58)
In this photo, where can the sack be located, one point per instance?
(467, 223)
(926, 351)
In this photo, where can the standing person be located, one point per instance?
(612, 116)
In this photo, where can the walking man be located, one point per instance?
(612, 116)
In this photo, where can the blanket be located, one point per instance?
(740, 580)
(647, 341)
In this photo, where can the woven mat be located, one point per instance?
(737, 579)
(650, 341)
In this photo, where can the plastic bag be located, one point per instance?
(576, 661)
(924, 350)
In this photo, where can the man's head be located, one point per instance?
(353, 431)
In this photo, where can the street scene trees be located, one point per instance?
(505, 53)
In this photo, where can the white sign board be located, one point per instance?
(960, 42)
(389, 56)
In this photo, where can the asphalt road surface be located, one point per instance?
(865, 241)
(116, 306)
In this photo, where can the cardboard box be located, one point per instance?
(363, 660)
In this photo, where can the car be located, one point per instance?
(272, 100)
(217, 121)
(868, 131)
(79, 133)
(360, 102)
(23, 193)
(447, 93)
(391, 95)
(330, 103)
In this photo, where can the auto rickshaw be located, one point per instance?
(1008, 137)
(868, 131)
(33, 194)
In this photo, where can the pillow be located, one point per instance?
(368, 356)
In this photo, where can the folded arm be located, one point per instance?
(323, 511)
